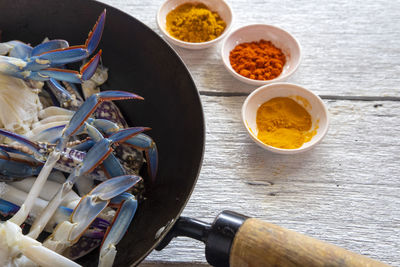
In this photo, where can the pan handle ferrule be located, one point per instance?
(218, 236)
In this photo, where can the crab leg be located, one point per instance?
(89, 107)
(77, 120)
(14, 197)
(94, 157)
(26, 207)
(12, 238)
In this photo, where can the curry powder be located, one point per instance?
(283, 123)
(194, 23)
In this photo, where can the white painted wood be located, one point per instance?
(347, 190)
(349, 47)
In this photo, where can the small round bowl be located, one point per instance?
(254, 33)
(219, 6)
(313, 104)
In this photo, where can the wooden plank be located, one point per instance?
(345, 191)
(349, 47)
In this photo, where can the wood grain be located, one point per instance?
(346, 191)
(348, 47)
(259, 243)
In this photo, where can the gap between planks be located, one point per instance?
(327, 97)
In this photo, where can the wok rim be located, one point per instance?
(169, 226)
(171, 223)
(199, 156)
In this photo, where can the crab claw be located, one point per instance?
(127, 205)
(89, 207)
(144, 142)
(89, 68)
(140, 142)
(65, 55)
(95, 34)
(93, 203)
(90, 105)
(49, 46)
(102, 149)
(68, 75)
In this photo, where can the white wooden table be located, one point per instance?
(345, 191)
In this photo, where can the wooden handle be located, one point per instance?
(258, 243)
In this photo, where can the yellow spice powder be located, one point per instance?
(194, 23)
(283, 123)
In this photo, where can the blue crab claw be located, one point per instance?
(95, 35)
(125, 134)
(144, 142)
(90, 68)
(111, 164)
(70, 54)
(127, 204)
(93, 203)
(43, 73)
(140, 142)
(49, 46)
(90, 105)
(102, 149)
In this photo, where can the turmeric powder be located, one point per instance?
(194, 23)
(283, 123)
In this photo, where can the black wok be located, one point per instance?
(141, 62)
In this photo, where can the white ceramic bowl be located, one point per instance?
(314, 105)
(255, 32)
(219, 6)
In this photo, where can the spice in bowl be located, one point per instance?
(194, 23)
(283, 123)
(257, 60)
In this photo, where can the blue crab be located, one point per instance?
(85, 159)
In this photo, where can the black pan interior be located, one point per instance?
(141, 62)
